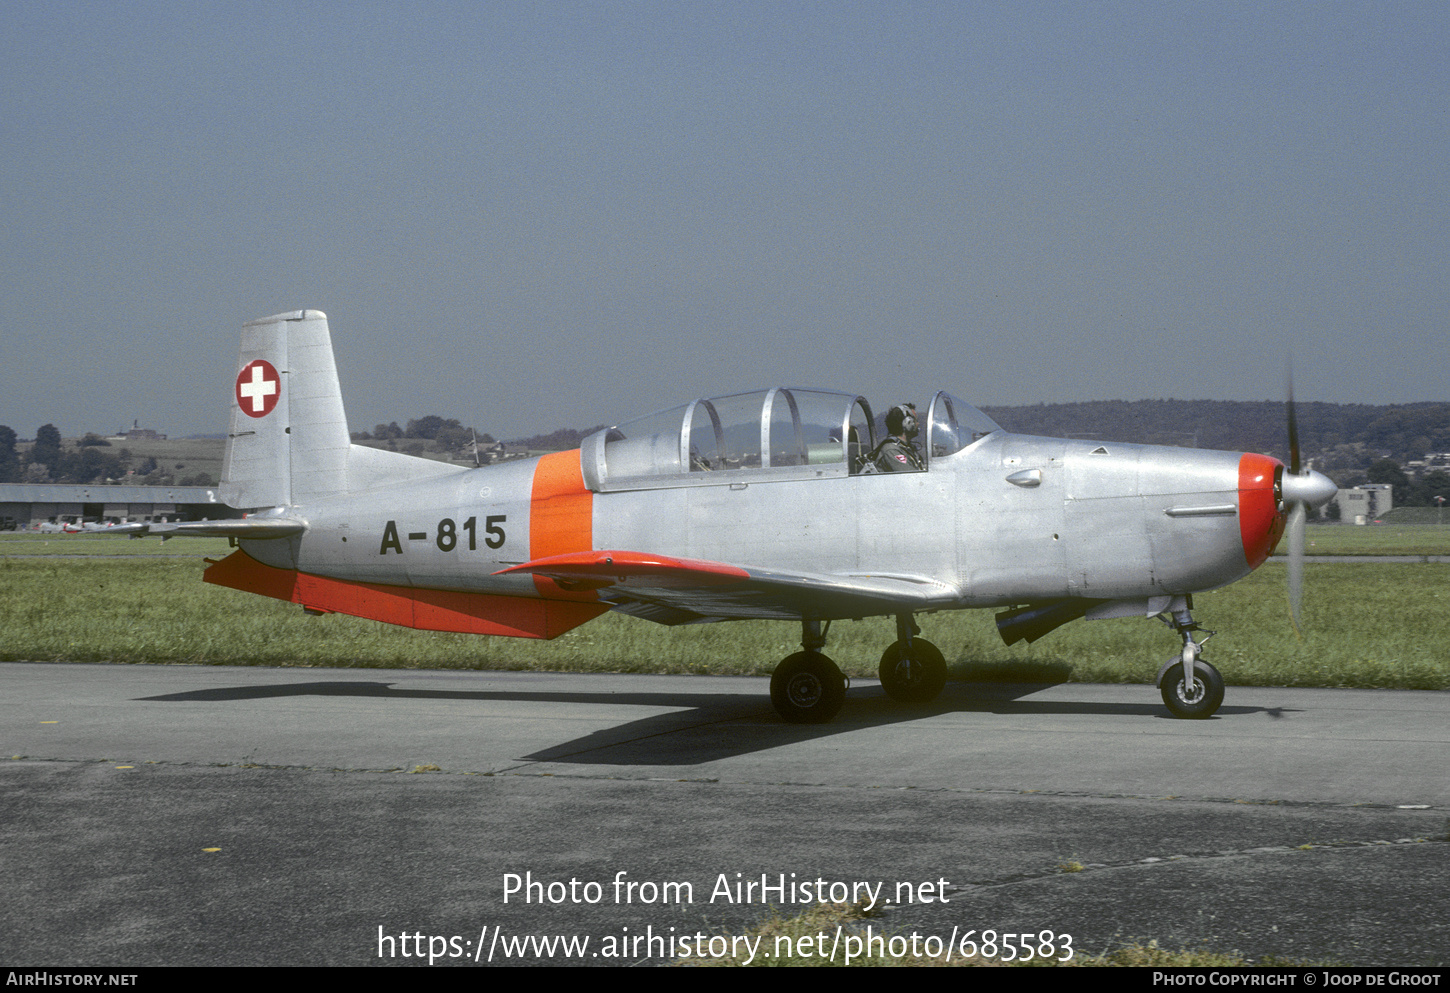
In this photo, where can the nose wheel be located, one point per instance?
(1192, 700)
(1192, 689)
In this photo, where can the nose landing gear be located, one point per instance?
(1191, 688)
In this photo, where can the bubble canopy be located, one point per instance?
(780, 433)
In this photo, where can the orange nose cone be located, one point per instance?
(1260, 523)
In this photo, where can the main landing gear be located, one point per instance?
(1191, 687)
(808, 688)
(912, 669)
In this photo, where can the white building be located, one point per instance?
(1362, 504)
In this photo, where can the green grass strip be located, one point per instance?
(1366, 626)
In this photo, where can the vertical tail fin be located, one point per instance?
(288, 440)
(288, 443)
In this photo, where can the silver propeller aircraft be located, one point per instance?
(755, 505)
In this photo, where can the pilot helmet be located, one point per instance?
(901, 420)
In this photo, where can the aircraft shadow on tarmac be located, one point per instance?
(706, 727)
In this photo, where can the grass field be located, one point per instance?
(179, 456)
(34, 544)
(792, 941)
(1411, 531)
(1366, 625)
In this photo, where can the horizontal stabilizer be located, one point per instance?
(249, 528)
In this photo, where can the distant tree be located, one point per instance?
(46, 450)
(1423, 491)
(449, 438)
(1389, 471)
(557, 441)
(428, 427)
(1344, 461)
(9, 460)
(94, 440)
(1400, 431)
(88, 465)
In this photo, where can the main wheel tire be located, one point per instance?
(1200, 700)
(807, 688)
(918, 679)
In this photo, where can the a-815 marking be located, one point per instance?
(447, 536)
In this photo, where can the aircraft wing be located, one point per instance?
(245, 527)
(672, 590)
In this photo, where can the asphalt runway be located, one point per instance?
(159, 815)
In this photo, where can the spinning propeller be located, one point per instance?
(1299, 489)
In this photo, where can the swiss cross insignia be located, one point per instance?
(258, 388)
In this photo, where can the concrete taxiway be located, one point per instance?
(208, 815)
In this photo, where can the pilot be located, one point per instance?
(897, 452)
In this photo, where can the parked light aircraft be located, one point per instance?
(753, 505)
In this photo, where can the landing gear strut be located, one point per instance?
(1191, 687)
(912, 669)
(807, 687)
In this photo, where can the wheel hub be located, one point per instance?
(908, 672)
(1191, 694)
(804, 690)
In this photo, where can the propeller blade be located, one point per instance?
(1295, 534)
(1293, 427)
(1301, 488)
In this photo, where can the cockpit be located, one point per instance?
(781, 433)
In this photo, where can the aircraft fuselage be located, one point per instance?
(1007, 520)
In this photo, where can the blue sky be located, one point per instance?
(529, 216)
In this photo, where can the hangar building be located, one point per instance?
(35, 503)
